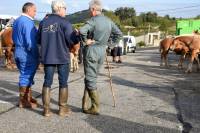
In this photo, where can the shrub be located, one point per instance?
(141, 44)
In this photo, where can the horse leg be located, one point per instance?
(189, 69)
(161, 59)
(71, 62)
(198, 65)
(1, 51)
(77, 67)
(166, 59)
(9, 58)
(6, 58)
(180, 64)
(76, 62)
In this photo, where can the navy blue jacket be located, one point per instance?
(56, 37)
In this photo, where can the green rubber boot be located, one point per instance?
(64, 110)
(94, 109)
(85, 100)
(46, 101)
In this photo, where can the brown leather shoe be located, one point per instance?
(22, 100)
(31, 103)
(25, 98)
(31, 98)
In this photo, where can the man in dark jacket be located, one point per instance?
(55, 37)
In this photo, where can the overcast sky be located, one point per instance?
(175, 8)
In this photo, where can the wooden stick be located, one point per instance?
(111, 86)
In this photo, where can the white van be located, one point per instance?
(129, 44)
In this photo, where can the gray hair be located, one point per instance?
(96, 4)
(57, 4)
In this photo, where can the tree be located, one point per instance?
(167, 17)
(112, 16)
(151, 17)
(197, 17)
(143, 17)
(165, 24)
(136, 21)
(125, 13)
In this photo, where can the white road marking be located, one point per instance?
(4, 102)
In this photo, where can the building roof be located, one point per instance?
(5, 16)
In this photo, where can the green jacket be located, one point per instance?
(101, 28)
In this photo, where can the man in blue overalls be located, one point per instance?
(26, 53)
(94, 52)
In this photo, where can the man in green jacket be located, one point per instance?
(94, 51)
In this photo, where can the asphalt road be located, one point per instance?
(149, 99)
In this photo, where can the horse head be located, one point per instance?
(176, 44)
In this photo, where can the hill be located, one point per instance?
(78, 17)
(126, 17)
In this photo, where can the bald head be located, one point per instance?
(29, 9)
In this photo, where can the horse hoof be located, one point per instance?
(9, 67)
(188, 71)
(180, 67)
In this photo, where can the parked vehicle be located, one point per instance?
(6, 20)
(129, 44)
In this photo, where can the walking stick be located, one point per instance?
(111, 86)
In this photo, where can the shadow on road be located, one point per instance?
(9, 92)
(186, 86)
(108, 124)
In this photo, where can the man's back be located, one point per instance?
(55, 33)
(24, 32)
(102, 28)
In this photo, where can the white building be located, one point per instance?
(150, 39)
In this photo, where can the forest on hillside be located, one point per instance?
(127, 20)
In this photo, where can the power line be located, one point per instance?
(178, 8)
(172, 9)
(182, 11)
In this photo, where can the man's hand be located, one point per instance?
(90, 41)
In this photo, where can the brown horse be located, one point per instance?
(165, 46)
(74, 51)
(164, 50)
(193, 45)
(8, 46)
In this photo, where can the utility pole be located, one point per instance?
(128, 32)
(149, 29)
(144, 36)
